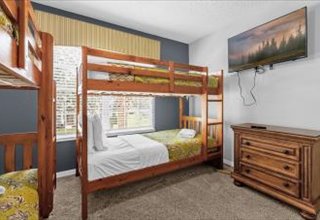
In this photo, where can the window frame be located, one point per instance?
(112, 132)
(117, 132)
(138, 130)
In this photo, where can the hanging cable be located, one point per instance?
(259, 70)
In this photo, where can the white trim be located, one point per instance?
(228, 162)
(64, 138)
(66, 173)
(129, 131)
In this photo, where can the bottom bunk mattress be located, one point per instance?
(20, 200)
(134, 152)
(179, 148)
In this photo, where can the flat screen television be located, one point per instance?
(282, 39)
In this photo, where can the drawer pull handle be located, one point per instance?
(286, 185)
(247, 143)
(287, 152)
(248, 156)
(247, 170)
(286, 167)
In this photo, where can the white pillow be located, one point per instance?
(90, 136)
(187, 133)
(99, 75)
(98, 134)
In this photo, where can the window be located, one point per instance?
(123, 114)
(66, 61)
(120, 114)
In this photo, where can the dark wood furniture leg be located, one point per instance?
(307, 215)
(237, 183)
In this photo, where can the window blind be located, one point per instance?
(123, 113)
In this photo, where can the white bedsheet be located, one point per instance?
(134, 152)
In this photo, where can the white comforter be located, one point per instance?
(128, 153)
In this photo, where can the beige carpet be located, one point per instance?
(194, 193)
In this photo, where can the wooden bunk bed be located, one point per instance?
(103, 72)
(26, 62)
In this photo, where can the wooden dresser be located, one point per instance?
(279, 161)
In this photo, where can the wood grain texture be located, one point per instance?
(84, 143)
(10, 141)
(20, 62)
(10, 157)
(11, 9)
(46, 127)
(282, 162)
(27, 155)
(30, 66)
(200, 124)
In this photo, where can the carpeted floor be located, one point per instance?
(194, 193)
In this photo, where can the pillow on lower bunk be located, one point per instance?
(98, 134)
(187, 133)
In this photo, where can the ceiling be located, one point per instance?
(184, 21)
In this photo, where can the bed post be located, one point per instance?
(23, 27)
(181, 111)
(46, 133)
(204, 115)
(84, 154)
(220, 115)
(77, 123)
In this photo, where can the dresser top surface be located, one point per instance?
(279, 129)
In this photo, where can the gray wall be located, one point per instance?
(18, 108)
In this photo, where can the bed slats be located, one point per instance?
(10, 141)
(9, 154)
(27, 155)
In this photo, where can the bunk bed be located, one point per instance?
(108, 73)
(26, 62)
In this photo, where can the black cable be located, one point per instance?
(253, 86)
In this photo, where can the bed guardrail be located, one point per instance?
(10, 142)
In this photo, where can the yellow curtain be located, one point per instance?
(71, 32)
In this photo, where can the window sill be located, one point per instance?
(114, 133)
(66, 138)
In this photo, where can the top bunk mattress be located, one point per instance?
(116, 76)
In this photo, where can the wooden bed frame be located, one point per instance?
(27, 63)
(212, 127)
(21, 58)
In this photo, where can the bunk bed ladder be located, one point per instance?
(214, 126)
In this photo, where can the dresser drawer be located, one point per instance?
(277, 147)
(283, 184)
(282, 166)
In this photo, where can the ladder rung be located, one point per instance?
(215, 100)
(214, 146)
(215, 154)
(214, 123)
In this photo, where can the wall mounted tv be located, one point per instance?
(279, 40)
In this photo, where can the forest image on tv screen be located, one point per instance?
(279, 40)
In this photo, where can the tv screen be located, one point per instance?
(279, 40)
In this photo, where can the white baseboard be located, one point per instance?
(66, 173)
(228, 162)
